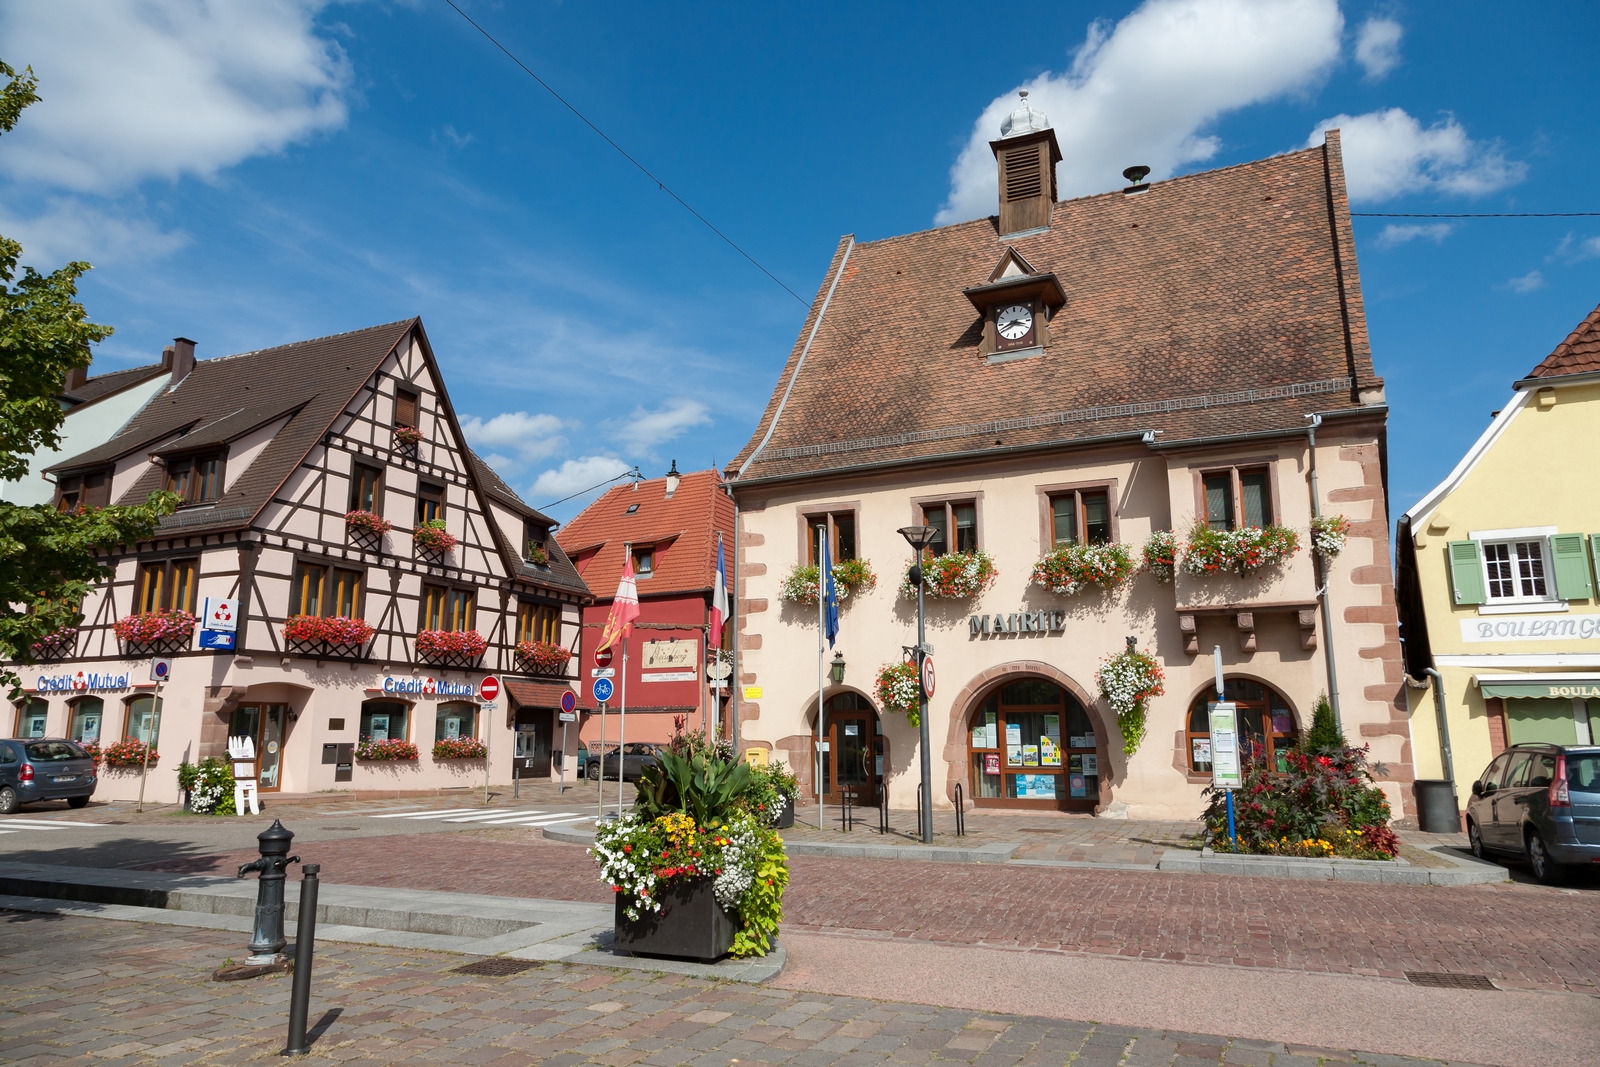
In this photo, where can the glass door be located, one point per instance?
(264, 725)
(854, 756)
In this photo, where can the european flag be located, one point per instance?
(830, 595)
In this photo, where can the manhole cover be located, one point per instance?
(1449, 980)
(495, 967)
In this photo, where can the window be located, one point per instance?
(841, 531)
(91, 490)
(644, 560)
(961, 517)
(318, 591)
(430, 502)
(366, 486)
(305, 596)
(1082, 516)
(1516, 570)
(446, 609)
(143, 720)
(538, 622)
(1266, 725)
(385, 720)
(197, 479)
(405, 407)
(87, 716)
(167, 586)
(455, 719)
(1033, 745)
(535, 535)
(32, 715)
(1234, 494)
(344, 594)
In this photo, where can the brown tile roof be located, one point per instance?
(1211, 304)
(559, 571)
(536, 694)
(691, 520)
(103, 385)
(1578, 354)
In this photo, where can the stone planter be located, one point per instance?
(691, 924)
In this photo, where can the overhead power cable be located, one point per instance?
(1487, 215)
(633, 473)
(623, 152)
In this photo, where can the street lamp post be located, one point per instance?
(919, 538)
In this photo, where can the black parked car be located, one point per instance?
(637, 756)
(1542, 802)
(44, 768)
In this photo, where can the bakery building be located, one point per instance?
(342, 575)
(1046, 384)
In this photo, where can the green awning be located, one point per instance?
(1566, 689)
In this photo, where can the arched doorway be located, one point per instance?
(856, 753)
(1032, 744)
(1266, 724)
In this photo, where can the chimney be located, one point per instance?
(182, 361)
(1027, 154)
(672, 479)
(76, 377)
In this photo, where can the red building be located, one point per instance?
(670, 527)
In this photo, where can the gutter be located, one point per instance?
(1324, 592)
(1577, 378)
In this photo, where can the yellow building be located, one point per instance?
(1496, 569)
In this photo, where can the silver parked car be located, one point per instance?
(44, 768)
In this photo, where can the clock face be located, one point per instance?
(1014, 322)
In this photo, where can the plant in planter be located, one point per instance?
(1328, 535)
(1127, 682)
(129, 752)
(537, 555)
(1069, 568)
(407, 436)
(953, 576)
(431, 536)
(55, 645)
(543, 657)
(367, 523)
(335, 631)
(1324, 804)
(899, 689)
(155, 628)
(451, 646)
(1161, 555)
(799, 586)
(209, 786)
(393, 750)
(1245, 551)
(773, 793)
(460, 748)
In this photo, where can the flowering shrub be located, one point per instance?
(1328, 533)
(334, 630)
(543, 657)
(1127, 682)
(899, 689)
(1161, 555)
(1322, 805)
(93, 748)
(954, 576)
(391, 750)
(51, 645)
(210, 786)
(409, 436)
(1068, 568)
(1246, 550)
(460, 748)
(799, 586)
(129, 752)
(438, 644)
(367, 522)
(155, 627)
(537, 555)
(433, 537)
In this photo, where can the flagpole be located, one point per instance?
(622, 729)
(822, 636)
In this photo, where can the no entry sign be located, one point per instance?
(602, 658)
(489, 688)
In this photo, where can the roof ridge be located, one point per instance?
(307, 341)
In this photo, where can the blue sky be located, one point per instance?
(248, 174)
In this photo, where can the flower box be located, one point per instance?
(365, 523)
(543, 657)
(537, 555)
(953, 576)
(1161, 555)
(1069, 568)
(156, 629)
(433, 537)
(451, 647)
(691, 924)
(327, 636)
(849, 576)
(129, 752)
(1245, 551)
(391, 751)
(57, 645)
(407, 436)
(460, 748)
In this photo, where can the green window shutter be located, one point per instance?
(1594, 550)
(1571, 566)
(1466, 572)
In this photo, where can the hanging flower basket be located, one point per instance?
(365, 522)
(54, 646)
(953, 576)
(543, 657)
(1127, 682)
(327, 635)
(1069, 568)
(431, 536)
(849, 576)
(1161, 555)
(391, 751)
(129, 752)
(460, 748)
(459, 648)
(155, 628)
(537, 555)
(407, 436)
(899, 689)
(1328, 534)
(1245, 551)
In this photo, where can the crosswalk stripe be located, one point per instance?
(539, 820)
(425, 814)
(495, 815)
(44, 824)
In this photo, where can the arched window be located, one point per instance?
(456, 719)
(32, 716)
(385, 720)
(1266, 725)
(1033, 745)
(140, 723)
(88, 717)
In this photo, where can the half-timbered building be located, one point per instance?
(341, 575)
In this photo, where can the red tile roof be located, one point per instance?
(690, 521)
(1579, 353)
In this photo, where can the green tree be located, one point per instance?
(49, 559)
(1325, 732)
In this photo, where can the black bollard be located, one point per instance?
(305, 936)
(267, 940)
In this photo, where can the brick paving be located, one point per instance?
(86, 992)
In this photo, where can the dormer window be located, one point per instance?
(1016, 302)
(197, 479)
(535, 542)
(91, 489)
(644, 560)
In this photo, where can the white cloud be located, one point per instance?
(643, 430)
(1575, 249)
(1527, 283)
(1387, 153)
(527, 437)
(1145, 90)
(163, 88)
(1378, 46)
(1399, 234)
(68, 229)
(574, 476)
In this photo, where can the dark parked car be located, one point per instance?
(637, 756)
(44, 768)
(1542, 802)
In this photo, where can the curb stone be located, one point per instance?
(996, 852)
(1464, 870)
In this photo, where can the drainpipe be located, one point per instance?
(1444, 726)
(1319, 572)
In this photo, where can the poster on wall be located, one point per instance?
(1091, 765)
(1049, 753)
(1014, 744)
(379, 731)
(1202, 750)
(1075, 764)
(1081, 741)
(1030, 755)
(1078, 786)
(991, 763)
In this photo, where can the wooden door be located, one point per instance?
(852, 758)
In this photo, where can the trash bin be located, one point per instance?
(1437, 812)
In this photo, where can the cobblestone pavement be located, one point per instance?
(87, 992)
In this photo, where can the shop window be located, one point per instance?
(430, 502)
(841, 532)
(1032, 745)
(167, 586)
(644, 561)
(91, 489)
(1237, 497)
(955, 526)
(32, 717)
(366, 488)
(456, 719)
(1266, 725)
(197, 479)
(1082, 516)
(88, 716)
(446, 609)
(1516, 570)
(143, 720)
(385, 720)
(405, 407)
(538, 622)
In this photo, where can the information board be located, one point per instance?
(1224, 745)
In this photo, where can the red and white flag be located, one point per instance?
(624, 607)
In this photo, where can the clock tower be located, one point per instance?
(1027, 154)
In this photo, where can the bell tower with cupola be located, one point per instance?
(1027, 154)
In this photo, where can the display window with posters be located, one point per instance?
(1033, 745)
(33, 716)
(88, 719)
(1266, 724)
